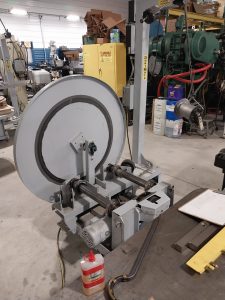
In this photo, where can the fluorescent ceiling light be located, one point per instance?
(18, 12)
(73, 18)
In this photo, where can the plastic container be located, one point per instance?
(114, 36)
(173, 128)
(92, 268)
(175, 92)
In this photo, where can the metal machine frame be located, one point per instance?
(140, 79)
(105, 203)
(92, 207)
(129, 218)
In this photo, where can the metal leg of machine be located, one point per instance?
(140, 78)
(3, 133)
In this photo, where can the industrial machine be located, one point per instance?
(175, 50)
(68, 145)
(186, 56)
(38, 78)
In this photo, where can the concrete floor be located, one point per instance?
(28, 262)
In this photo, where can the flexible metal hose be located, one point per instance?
(137, 263)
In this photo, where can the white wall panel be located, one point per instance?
(57, 29)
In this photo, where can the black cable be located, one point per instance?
(137, 263)
(3, 25)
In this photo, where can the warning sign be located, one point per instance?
(145, 67)
(164, 2)
(105, 56)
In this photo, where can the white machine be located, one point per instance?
(68, 145)
(39, 78)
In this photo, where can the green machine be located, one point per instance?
(185, 57)
(173, 52)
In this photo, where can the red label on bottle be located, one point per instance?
(92, 270)
(93, 283)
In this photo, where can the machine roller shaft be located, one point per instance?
(118, 171)
(101, 200)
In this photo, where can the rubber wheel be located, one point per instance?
(128, 163)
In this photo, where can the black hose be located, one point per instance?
(136, 266)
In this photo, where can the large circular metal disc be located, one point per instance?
(64, 114)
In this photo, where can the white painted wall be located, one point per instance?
(60, 30)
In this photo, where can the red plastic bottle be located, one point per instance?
(93, 278)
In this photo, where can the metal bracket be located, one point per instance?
(77, 141)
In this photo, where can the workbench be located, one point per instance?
(163, 274)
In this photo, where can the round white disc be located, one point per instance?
(62, 115)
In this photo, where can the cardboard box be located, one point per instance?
(159, 116)
(159, 108)
(159, 126)
(71, 54)
(221, 8)
(107, 13)
(122, 27)
(110, 22)
(171, 25)
(102, 40)
(100, 22)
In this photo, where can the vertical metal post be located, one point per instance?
(9, 76)
(140, 79)
(42, 37)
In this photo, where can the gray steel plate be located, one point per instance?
(63, 111)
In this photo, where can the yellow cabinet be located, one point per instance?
(90, 58)
(106, 62)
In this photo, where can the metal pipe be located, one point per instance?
(83, 188)
(42, 37)
(135, 179)
(137, 264)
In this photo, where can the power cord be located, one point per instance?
(61, 261)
